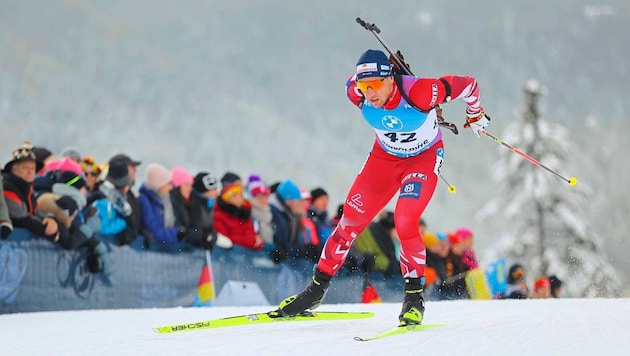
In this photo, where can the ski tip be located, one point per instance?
(357, 338)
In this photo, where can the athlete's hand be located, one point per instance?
(477, 122)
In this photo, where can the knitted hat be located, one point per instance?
(229, 178)
(204, 182)
(71, 179)
(64, 164)
(373, 63)
(459, 235)
(124, 159)
(71, 153)
(288, 190)
(541, 282)
(181, 176)
(430, 239)
(317, 192)
(253, 178)
(68, 204)
(41, 154)
(88, 164)
(156, 176)
(20, 154)
(118, 175)
(258, 188)
(305, 194)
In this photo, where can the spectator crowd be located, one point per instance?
(73, 202)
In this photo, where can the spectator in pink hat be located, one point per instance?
(261, 211)
(462, 245)
(156, 207)
(64, 164)
(459, 261)
(183, 206)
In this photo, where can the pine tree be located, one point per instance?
(549, 228)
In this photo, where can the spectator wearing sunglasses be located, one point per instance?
(405, 160)
(18, 176)
(92, 172)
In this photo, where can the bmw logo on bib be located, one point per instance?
(392, 123)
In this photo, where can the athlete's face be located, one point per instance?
(376, 89)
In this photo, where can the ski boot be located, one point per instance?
(413, 304)
(309, 298)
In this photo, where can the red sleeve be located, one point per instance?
(426, 93)
(354, 94)
(429, 92)
(466, 88)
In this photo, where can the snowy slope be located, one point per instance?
(533, 327)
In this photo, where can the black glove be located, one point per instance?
(209, 242)
(126, 236)
(181, 233)
(193, 237)
(67, 203)
(5, 229)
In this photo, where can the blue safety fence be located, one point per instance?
(36, 275)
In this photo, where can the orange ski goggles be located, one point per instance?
(375, 84)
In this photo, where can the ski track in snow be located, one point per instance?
(506, 327)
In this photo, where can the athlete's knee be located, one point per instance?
(348, 230)
(407, 228)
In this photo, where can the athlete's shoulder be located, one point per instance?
(426, 93)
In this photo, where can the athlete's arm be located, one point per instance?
(426, 93)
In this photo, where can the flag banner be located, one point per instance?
(205, 288)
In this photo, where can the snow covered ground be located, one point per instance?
(499, 327)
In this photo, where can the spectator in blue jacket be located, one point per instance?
(288, 208)
(112, 206)
(156, 208)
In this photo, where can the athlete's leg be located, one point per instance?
(373, 188)
(416, 190)
(417, 187)
(371, 191)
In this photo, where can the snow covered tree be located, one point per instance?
(549, 228)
